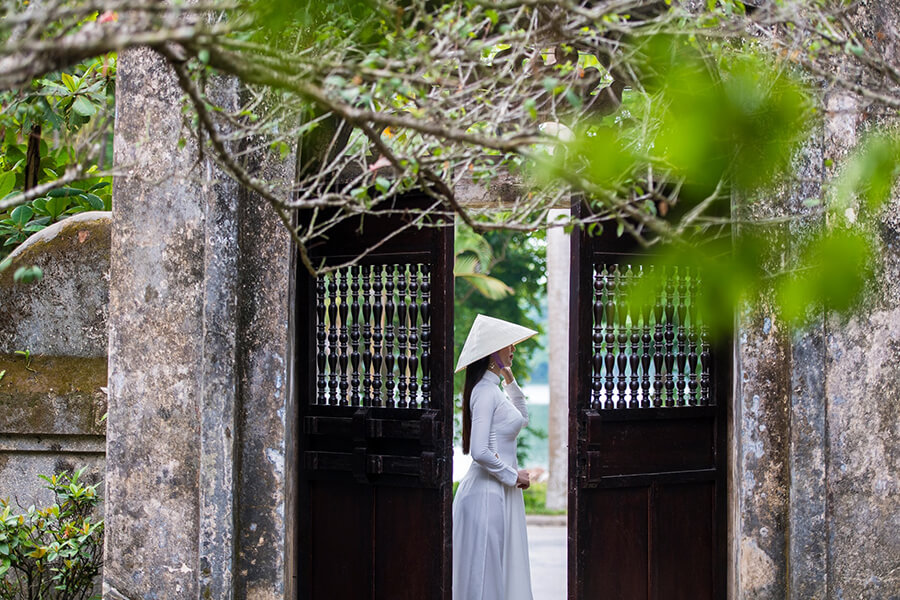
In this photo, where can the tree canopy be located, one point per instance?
(668, 121)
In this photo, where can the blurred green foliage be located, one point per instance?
(473, 261)
(536, 500)
(61, 112)
(724, 125)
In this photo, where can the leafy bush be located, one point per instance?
(33, 216)
(536, 500)
(54, 552)
(56, 123)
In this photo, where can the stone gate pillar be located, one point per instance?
(558, 260)
(815, 458)
(199, 440)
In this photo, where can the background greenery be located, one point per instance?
(516, 261)
(59, 120)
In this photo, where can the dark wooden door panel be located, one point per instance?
(647, 441)
(648, 395)
(340, 534)
(374, 367)
(685, 524)
(406, 565)
(615, 548)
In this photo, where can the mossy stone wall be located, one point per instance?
(53, 341)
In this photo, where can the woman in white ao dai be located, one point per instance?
(490, 541)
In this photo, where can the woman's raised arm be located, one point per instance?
(483, 404)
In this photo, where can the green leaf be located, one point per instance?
(550, 84)
(467, 240)
(84, 107)
(95, 201)
(28, 274)
(56, 206)
(69, 82)
(21, 215)
(870, 173)
(64, 192)
(855, 49)
(489, 287)
(382, 184)
(7, 182)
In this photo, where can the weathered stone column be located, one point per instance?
(816, 412)
(861, 414)
(759, 476)
(806, 548)
(170, 443)
(265, 495)
(199, 364)
(558, 332)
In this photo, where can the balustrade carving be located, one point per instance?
(648, 352)
(373, 336)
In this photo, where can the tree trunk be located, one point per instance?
(33, 158)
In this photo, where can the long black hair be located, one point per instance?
(474, 372)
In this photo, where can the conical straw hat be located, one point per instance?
(490, 335)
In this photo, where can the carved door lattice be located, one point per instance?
(651, 354)
(373, 336)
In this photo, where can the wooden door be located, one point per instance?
(647, 417)
(375, 346)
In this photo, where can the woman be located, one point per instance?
(490, 543)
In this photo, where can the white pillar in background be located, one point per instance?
(558, 333)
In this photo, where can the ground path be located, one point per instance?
(547, 549)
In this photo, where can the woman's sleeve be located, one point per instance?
(482, 420)
(517, 396)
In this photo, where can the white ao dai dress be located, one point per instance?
(490, 540)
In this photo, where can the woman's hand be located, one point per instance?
(524, 479)
(507, 374)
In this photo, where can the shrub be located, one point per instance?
(54, 552)
(536, 500)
